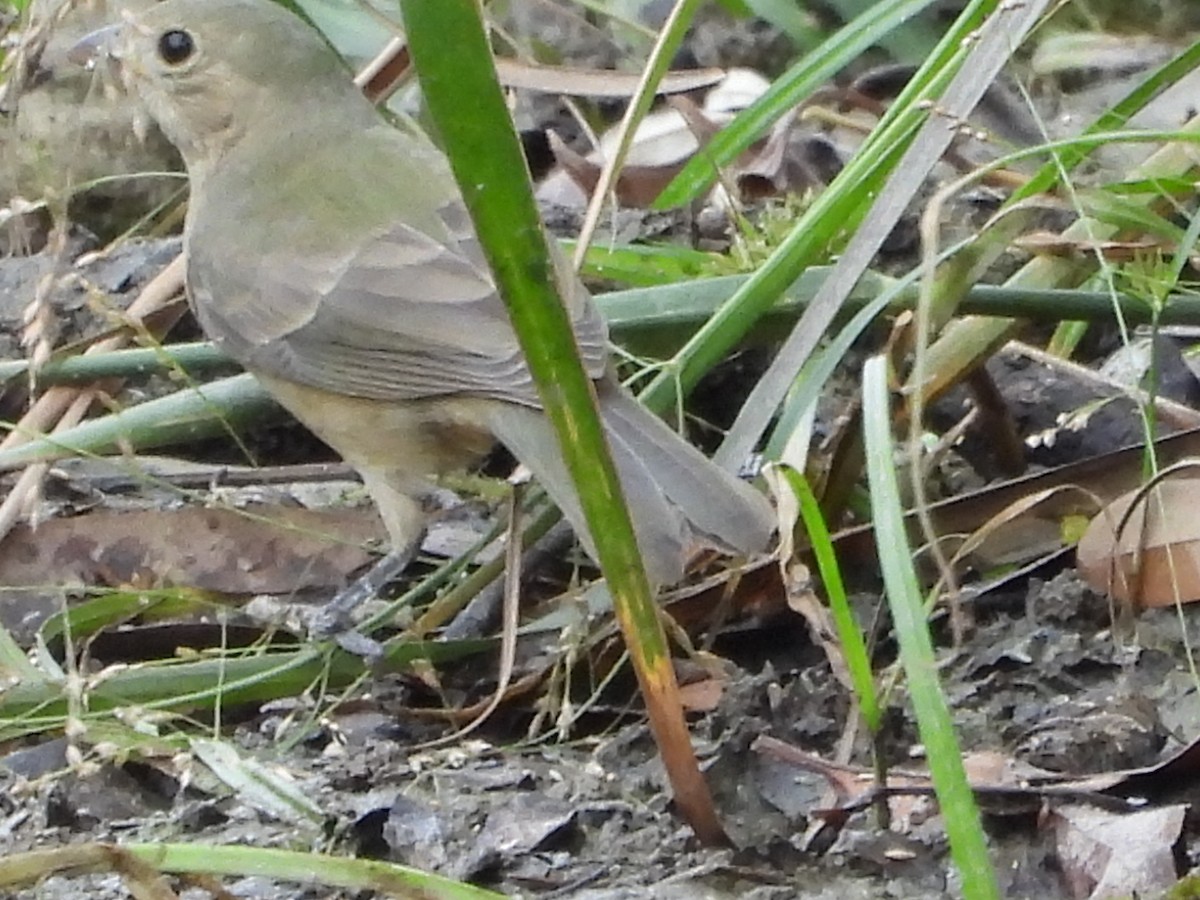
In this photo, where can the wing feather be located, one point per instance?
(402, 316)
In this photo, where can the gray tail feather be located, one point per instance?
(680, 501)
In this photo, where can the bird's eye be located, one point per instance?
(175, 46)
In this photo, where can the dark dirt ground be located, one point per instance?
(1043, 680)
(1050, 676)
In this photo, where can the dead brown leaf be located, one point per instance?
(258, 550)
(1105, 854)
(1144, 547)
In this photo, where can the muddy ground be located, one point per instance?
(1051, 675)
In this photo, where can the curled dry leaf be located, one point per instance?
(636, 186)
(664, 141)
(1150, 554)
(1107, 855)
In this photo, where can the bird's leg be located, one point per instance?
(333, 620)
(403, 518)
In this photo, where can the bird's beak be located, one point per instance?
(95, 48)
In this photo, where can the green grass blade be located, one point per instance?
(971, 66)
(968, 845)
(812, 72)
(229, 404)
(858, 661)
(465, 100)
(1111, 119)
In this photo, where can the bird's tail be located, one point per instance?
(679, 500)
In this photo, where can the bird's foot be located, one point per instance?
(333, 620)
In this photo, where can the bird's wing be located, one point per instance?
(400, 316)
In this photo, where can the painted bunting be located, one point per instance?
(330, 252)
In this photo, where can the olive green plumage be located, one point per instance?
(331, 254)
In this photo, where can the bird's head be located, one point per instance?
(212, 71)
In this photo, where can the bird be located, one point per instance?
(329, 251)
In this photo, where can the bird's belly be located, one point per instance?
(421, 437)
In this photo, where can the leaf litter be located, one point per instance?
(1048, 678)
